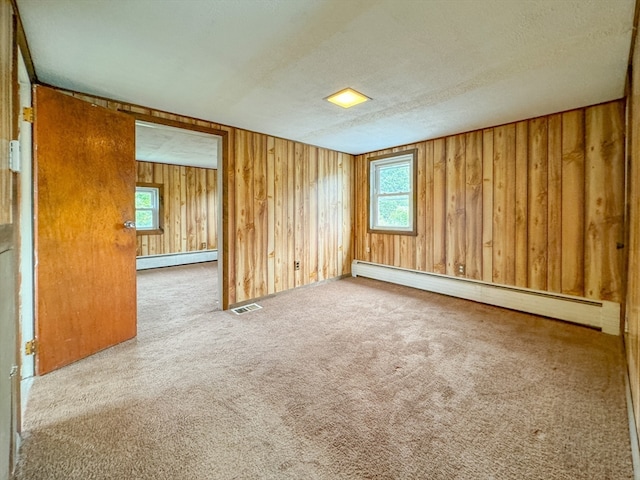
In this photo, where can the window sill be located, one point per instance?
(409, 233)
(159, 231)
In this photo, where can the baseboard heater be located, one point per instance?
(593, 313)
(174, 259)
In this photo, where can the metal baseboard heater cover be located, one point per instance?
(600, 314)
(175, 259)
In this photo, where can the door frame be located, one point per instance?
(25, 259)
(222, 155)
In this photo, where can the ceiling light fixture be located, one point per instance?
(347, 98)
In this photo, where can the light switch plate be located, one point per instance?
(14, 156)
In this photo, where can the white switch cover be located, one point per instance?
(14, 156)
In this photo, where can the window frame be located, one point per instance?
(158, 212)
(406, 156)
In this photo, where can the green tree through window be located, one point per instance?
(391, 193)
(147, 208)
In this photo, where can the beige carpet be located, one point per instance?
(354, 379)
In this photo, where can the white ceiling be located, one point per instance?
(164, 144)
(432, 67)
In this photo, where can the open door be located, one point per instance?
(84, 184)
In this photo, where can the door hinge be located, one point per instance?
(30, 347)
(27, 114)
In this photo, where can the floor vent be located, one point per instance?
(246, 308)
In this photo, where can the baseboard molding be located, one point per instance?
(593, 313)
(174, 259)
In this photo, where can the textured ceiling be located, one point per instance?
(163, 144)
(432, 67)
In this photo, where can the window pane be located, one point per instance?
(144, 199)
(144, 219)
(394, 178)
(393, 211)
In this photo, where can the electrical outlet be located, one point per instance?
(461, 269)
(297, 265)
(203, 246)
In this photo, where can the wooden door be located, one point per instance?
(84, 184)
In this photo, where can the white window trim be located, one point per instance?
(155, 210)
(408, 157)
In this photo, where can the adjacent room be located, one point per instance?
(285, 239)
(177, 199)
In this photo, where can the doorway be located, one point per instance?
(178, 198)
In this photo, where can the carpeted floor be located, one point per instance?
(354, 379)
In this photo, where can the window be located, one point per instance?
(392, 193)
(148, 208)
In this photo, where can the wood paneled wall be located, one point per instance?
(283, 202)
(6, 100)
(190, 213)
(536, 204)
(293, 203)
(632, 338)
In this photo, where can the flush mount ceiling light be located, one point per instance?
(347, 98)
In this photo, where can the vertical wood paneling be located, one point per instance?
(158, 240)
(192, 219)
(245, 234)
(175, 229)
(421, 212)
(428, 207)
(487, 205)
(538, 203)
(509, 203)
(299, 219)
(332, 195)
(281, 221)
(199, 202)
(361, 234)
(201, 216)
(504, 219)
(184, 226)
(521, 206)
(604, 199)
(168, 207)
(228, 212)
(271, 214)
(260, 216)
(554, 178)
(473, 205)
(290, 220)
(456, 190)
(311, 207)
(573, 202)
(348, 213)
(439, 206)
(212, 209)
(323, 214)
